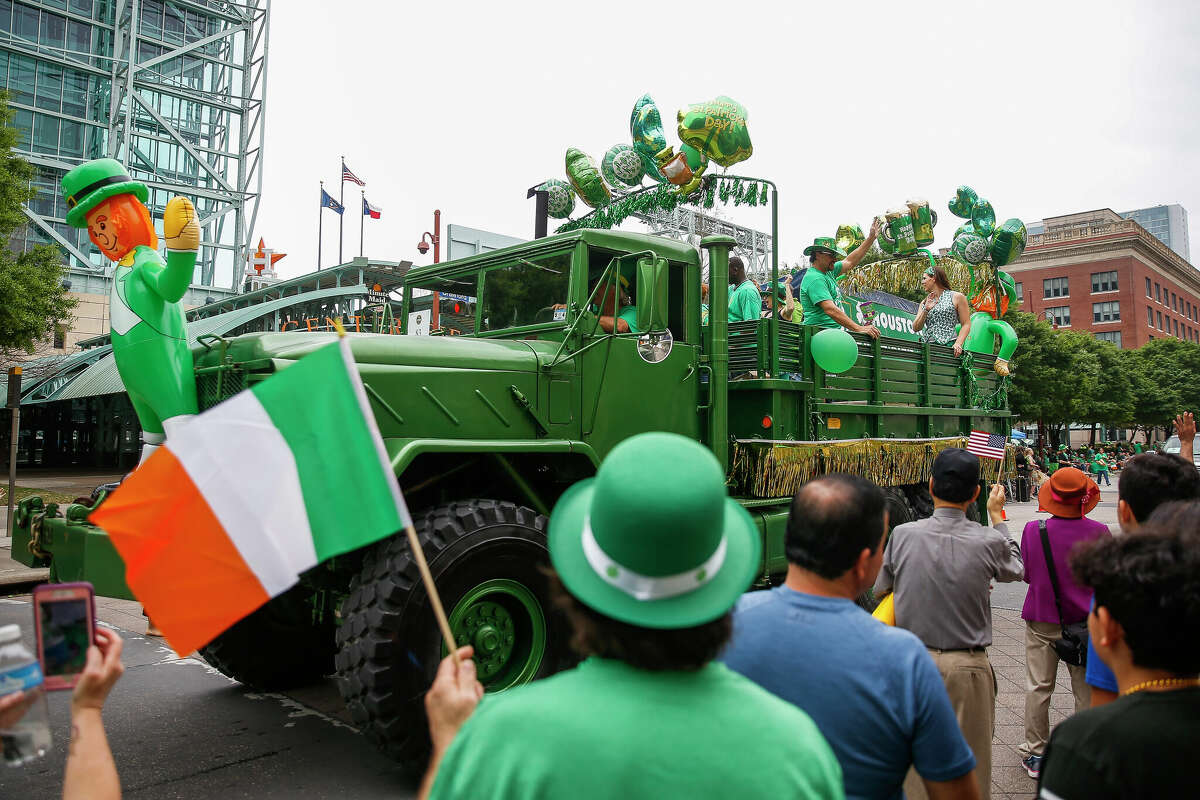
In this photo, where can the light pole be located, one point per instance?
(423, 247)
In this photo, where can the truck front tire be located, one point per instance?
(487, 558)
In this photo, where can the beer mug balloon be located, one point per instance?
(923, 220)
(898, 231)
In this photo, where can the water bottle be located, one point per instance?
(23, 736)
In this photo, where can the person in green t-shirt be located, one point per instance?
(744, 300)
(820, 296)
(649, 558)
(614, 318)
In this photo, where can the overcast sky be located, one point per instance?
(1043, 107)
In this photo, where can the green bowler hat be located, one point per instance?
(825, 243)
(89, 184)
(654, 540)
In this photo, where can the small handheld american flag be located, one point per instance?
(986, 445)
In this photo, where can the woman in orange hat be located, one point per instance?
(1068, 496)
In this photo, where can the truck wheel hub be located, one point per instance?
(503, 621)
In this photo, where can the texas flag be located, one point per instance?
(374, 212)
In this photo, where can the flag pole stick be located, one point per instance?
(342, 201)
(418, 554)
(362, 222)
(320, 224)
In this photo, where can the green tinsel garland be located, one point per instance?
(665, 197)
(895, 275)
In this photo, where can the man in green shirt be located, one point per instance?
(649, 557)
(744, 301)
(820, 296)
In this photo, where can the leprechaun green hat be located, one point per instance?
(654, 540)
(825, 243)
(89, 184)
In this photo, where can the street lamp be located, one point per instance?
(435, 239)
(1046, 315)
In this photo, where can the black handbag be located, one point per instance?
(1072, 648)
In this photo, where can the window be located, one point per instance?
(1158, 316)
(1157, 293)
(1176, 328)
(1059, 315)
(1174, 302)
(1054, 287)
(1106, 312)
(1149, 316)
(1110, 336)
(1149, 291)
(524, 293)
(1020, 292)
(1104, 281)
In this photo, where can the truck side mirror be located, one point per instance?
(651, 294)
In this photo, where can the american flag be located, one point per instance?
(347, 175)
(986, 445)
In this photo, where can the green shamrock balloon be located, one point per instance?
(966, 227)
(646, 131)
(1008, 242)
(963, 201)
(983, 218)
(622, 166)
(585, 179)
(560, 198)
(718, 129)
(695, 158)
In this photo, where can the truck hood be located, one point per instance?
(460, 352)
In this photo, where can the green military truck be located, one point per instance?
(485, 431)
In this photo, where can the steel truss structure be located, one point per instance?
(180, 100)
(690, 225)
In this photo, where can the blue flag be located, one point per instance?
(329, 202)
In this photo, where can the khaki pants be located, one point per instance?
(1041, 671)
(971, 684)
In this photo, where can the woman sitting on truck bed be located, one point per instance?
(941, 310)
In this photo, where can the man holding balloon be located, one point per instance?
(819, 292)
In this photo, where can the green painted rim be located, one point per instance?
(503, 620)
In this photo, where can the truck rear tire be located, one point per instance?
(279, 646)
(487, 558)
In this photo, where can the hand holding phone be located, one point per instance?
(65, 620)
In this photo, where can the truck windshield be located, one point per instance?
(525, 292)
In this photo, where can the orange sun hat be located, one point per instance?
(1069, 493)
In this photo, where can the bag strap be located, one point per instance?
(1050, 567)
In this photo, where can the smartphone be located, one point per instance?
(64, 616)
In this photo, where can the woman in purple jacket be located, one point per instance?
(1068, 496)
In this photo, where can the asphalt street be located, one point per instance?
(180, 729)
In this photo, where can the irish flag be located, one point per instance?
(251, 493)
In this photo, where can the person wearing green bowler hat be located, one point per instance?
(820, 295)
(649, 557)
(149, 333)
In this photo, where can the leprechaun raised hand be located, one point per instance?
(149, 332)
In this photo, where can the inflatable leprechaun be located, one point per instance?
(149, 334)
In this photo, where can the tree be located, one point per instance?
(1053, 373)
(34, 300)
(1111, 402)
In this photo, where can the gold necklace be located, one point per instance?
(1162, 683)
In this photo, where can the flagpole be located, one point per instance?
(362, 221)
(342, 200)
(320, 222)
(418, 554)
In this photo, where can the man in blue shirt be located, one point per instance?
(873, 690)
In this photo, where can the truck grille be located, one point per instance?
(220, 384)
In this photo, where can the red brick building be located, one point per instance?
(1098, 272)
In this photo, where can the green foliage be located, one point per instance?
(34, 301)
(1062, 377)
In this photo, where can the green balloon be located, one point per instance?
(695, 158)
(1008, 242)
(970, 248)
(646, 131)
(966, 227)
(963, 201)
(585, 179)
(834, 350)
(622, 166)
(718, 129)
(849, 237)
(983, 218)
(560, 198)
